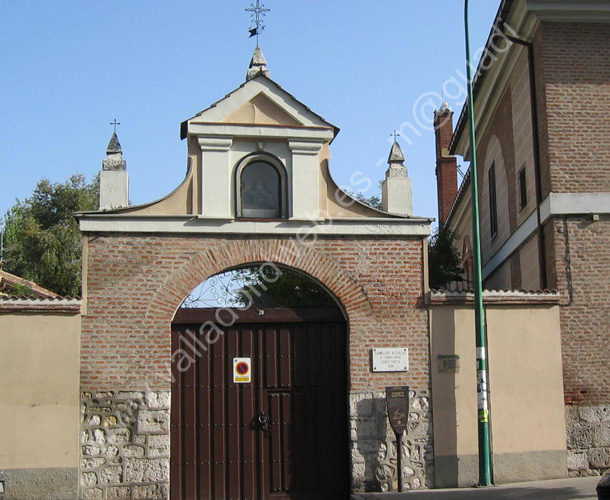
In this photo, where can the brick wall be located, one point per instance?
(135, 283)
(584, 282)
(574, 88)
(576, 64)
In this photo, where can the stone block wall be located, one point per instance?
(374, 447)
(588, 429)
(125, 440)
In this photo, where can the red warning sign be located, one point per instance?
(242, 373)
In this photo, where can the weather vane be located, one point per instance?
(114, 124)
(257, 25)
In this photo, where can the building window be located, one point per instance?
(260, 189)
(493, 204)
(522, 189)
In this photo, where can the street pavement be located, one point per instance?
(582, 488)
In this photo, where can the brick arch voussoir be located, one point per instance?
(205, 264)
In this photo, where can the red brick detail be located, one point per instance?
(135, 283)
(446, 166)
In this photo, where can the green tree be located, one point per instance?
(373, 201)
(263, 287)
(443, 259)
(42, 242)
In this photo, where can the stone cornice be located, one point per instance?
(398, 227)
(39, 306)
(260, 131)
(492, 297)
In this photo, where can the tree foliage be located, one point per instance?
(373, 201)
(443, 259)
(267, 286)
(42, 242)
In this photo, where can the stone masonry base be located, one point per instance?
(588, 429)
(125, 445)
(373, 444)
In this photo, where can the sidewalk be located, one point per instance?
(581, 488)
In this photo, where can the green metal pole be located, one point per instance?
(481, 341)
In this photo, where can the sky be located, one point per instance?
(70, 67)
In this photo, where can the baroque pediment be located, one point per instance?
(259, 101)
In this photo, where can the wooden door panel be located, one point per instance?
(219, 451)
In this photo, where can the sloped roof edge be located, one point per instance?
(37, 290)
(184, 124)
(481, 73)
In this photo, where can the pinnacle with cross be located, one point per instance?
(114, 146)
(396, 155)
(257, 25)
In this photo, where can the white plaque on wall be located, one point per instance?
(390, 359)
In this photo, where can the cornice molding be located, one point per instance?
(302, 228)
(592, 11)
(215, 143)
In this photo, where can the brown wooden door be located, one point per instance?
(220, 451)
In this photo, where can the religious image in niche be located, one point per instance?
(260, 191)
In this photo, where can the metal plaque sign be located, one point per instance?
(242, 370)
(448, 363)
(397, 399)
(390, 359)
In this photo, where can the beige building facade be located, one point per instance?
(39, 403)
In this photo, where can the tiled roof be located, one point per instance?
(8, 281)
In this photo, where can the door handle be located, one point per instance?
(263, 420)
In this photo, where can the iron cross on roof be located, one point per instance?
(257, 25)
(114, 124)
(395, 135)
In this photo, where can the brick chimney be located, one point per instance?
(446, 165)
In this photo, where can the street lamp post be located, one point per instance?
(481, 341)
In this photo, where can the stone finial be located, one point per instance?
(114, 159)
(114, 146)
(258, 65)
(396, 190)
(396, 155)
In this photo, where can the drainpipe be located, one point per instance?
(536, 145)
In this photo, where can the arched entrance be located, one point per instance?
(259, 392)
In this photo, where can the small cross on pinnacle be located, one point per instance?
(257, 25)
(114, 124)
(395, 135)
